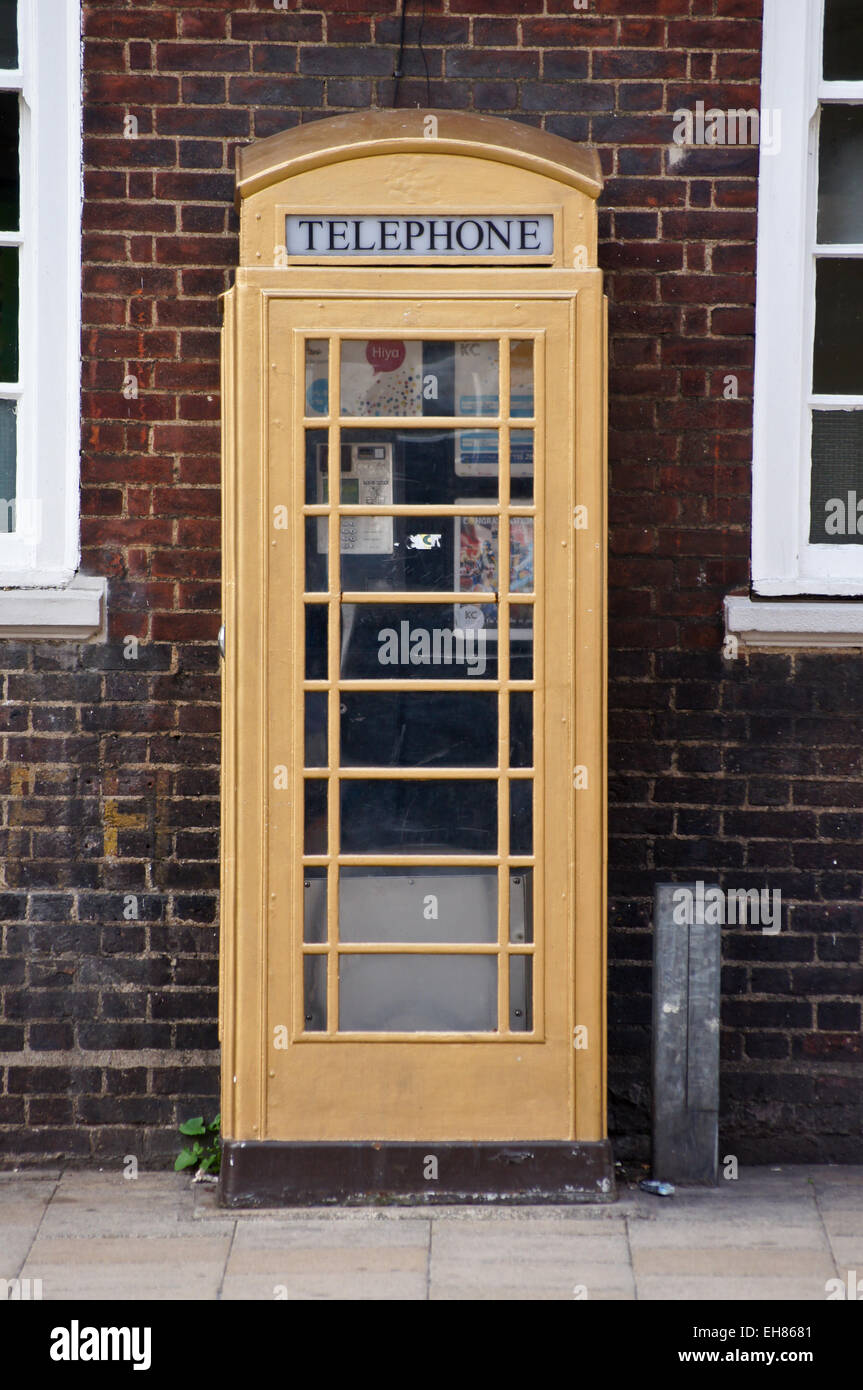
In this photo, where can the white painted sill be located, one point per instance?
(75, 611)
(793, 623)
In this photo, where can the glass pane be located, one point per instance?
(521, 729)
(420, 817)
(477, 376)
(8, 33)
(317, 376)
(381, 376)
(413, 994)
(843, 41)
(418, 905)
(521, 817)
(521, 465)
(410, 729)
(412, 466)
(396, 376)
(838, 327)
(521, 994)
(316, 642)
(316, 467)
(8, 464)
(8, 313)
(435, 554)
(315, 819)
(521, 641)
(438, 641)
(316, 728)
(521, 378)
(9, 168)
(840, 180)
(837, 478)
(521, 554)
(521, 905)
(314, 904)
(317, 576)
(315, 993)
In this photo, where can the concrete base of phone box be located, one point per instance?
(266, 1173)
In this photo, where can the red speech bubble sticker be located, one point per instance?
(385, 354)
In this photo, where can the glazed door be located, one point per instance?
(419, 645)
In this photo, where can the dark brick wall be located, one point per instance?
(744, 772)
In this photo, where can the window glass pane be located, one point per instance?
(317, 536)
(8, 313)
(434, 904)
(843, 40)
(315, 993)
(521, 817)
(316, 728)
(9, 168)
(521, 465)
(521, 641)
(838, 327)
(440, 554)
(381, 376)
(316, 642)
(521, 554)
(521, 378)
(423, 817)
(433, 994)
(521, 729)
(408, 729)
(521, 905)
(840, 178)
(396, 376)
(8, 33)
(317, 490)
(315, 836)
(411, 466)
(837, 478)
(317, 376)
(477, 390)
(314, 904)
(434, 641)
(521, 994)
(8, 464)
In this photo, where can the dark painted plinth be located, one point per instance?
(269, 1174)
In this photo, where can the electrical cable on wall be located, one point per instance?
(398, 71)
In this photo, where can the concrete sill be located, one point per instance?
(793, 624)
(75, 611)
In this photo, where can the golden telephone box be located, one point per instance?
(413, 899)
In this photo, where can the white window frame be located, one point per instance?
(39, 588)
(784, 562)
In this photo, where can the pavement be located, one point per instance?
(773, 1233)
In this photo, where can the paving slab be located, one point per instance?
(141, 1268)
(717, 1288)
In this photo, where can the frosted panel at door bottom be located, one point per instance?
(417, 994)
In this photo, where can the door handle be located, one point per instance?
(221, 641)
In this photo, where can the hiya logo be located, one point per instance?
(437, 646)
(77, 1343)
(850, 1289)
(736, 906)
(715, 126)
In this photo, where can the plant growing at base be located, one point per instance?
(206, 1150)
